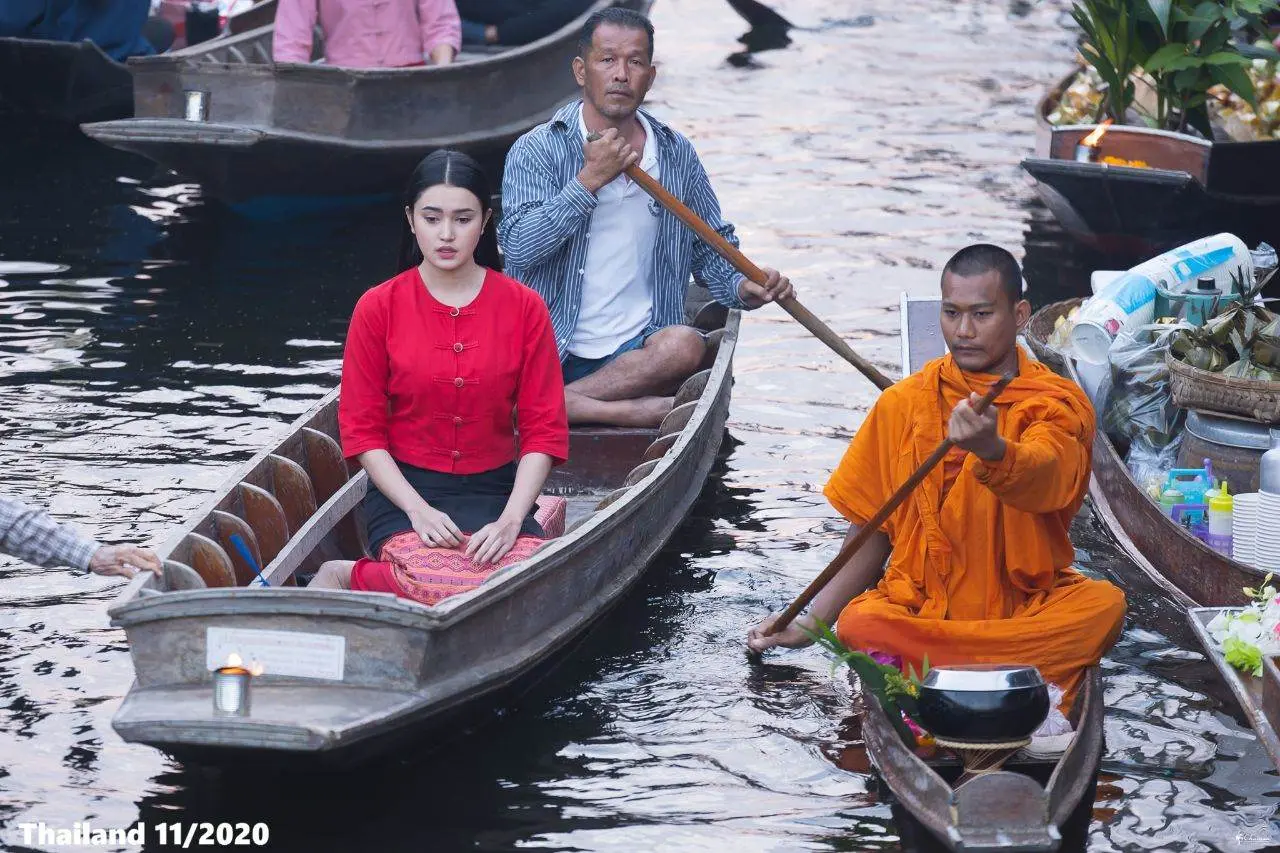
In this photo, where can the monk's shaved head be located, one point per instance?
(982, 258)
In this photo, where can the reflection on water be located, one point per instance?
(150, 341)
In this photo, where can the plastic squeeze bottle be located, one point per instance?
(1220, 509)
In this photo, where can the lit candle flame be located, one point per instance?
(256, 669)
(1094, 138)
(234, 659)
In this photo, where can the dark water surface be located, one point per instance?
(149, 342)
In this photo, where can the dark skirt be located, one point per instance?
(471, 500)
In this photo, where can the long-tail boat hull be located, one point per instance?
(350, 675)
(293, 134)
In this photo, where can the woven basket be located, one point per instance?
(1041, 328)
(1193, 388)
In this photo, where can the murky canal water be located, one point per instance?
(148, 342)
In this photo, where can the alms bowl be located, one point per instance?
(983, 703)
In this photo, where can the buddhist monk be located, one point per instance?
(978, 557)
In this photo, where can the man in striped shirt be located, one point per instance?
(611, 264)
(33, 537)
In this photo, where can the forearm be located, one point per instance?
(33, 537)
(860, 573)
(536, 228)
(531, 474)
(1034, 476)
(386, 475)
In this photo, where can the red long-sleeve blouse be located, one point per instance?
(435, 385)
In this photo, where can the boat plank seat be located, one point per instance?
(210, 562)
(227, 525)
(266, 517)
(329, 473)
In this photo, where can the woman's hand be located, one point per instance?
(491, 543)
(435, 528)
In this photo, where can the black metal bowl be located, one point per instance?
(983, 703)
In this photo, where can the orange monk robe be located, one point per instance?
(980, 570)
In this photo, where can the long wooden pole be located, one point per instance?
(904, 491)
(744, 265)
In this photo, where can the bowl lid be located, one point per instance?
(982, 676)
(1229, 432)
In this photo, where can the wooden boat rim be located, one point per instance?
(131, 607)
(194, 53)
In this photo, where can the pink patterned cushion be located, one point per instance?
(429, 575)
(550, 513)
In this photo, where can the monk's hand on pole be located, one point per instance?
(743, 264)
(873, 524)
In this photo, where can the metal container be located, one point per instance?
(197, 105)
(231, 691)
(1269, 466)
(1234, 446)
(1086, 153)
(983, 703)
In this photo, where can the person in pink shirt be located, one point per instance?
(369, 33)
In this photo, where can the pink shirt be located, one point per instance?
(366, 33)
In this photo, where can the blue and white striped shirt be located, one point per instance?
(547, 212)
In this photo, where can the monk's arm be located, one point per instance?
(859, 573)
(1045, 470)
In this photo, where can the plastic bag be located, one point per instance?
(1140, 408)
(1147, 463)
(1056, 723)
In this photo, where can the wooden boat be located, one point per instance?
(1029, 804)
(1192, 188)
(1259, 697)
(75, 82)
(352, 675)
(291, 137)
(1177, 562)
(69, 82)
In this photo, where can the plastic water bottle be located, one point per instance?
(1220, 510)
(1269, 466)
(1170, 498)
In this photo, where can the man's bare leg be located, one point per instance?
(634, 389)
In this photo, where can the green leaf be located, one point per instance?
(1224, 57)
(1159, 61)
(1243, 656)
(1234, 78)
(1161, 9)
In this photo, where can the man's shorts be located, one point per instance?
(576, 368)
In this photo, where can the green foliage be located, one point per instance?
(895, 692)
(1184, 47)
(1243, 656)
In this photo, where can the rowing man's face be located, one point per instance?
(617, 71)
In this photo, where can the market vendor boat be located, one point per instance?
(297, 138)
(1187, 188)
(1178, 562)
(1031, 802)
(351, 675)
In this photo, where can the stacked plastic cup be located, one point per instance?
(1244, 529)
(1266, 535)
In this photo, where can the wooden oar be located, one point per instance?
(904, 491)
(744, 265)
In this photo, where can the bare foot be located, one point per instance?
(640, 412)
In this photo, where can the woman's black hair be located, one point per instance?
(454, 169)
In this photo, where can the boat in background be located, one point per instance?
(1190, 188)
(296, 138)
(351, 676)
(1179, 563)
(75, 82)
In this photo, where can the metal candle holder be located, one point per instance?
(231, 691)
(1086, 153)
(197, 105)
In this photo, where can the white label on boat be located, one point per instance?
(293, 653)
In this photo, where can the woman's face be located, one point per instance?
(447, 223)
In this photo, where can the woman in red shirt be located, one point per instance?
(436, 360)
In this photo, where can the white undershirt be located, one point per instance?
(617, 286)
